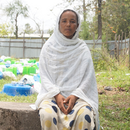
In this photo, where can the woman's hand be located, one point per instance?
(60, 102)
(70, 101)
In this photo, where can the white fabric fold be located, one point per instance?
(66, 67)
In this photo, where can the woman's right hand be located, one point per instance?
(60, 102)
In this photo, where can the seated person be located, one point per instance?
(68, 99)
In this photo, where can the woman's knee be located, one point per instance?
(86, 113)
(48, 120)
(47, 114)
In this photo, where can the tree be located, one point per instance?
(39, 25)
(28, 29)
(81, 6)
(5, 29)
(116, 17)
(99, 19)
(15, 9)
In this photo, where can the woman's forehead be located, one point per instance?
(69, 13)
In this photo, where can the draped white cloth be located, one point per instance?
(66, 67)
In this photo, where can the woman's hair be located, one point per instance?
(71, 11)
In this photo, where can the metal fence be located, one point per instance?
(30, 48)
(21, 48)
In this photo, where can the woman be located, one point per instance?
(68, 99)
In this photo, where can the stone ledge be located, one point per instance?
(18, 116)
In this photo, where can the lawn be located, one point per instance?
(114, 106)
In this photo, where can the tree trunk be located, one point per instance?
(99, 19)
(16, 27)
(84, 10)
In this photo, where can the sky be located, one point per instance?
(43, 11)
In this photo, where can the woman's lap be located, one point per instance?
(80, 118)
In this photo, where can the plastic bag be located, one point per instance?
(9, 74)
(28, 80)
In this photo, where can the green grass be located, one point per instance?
(114, 106)
(116, 79)
(21, 99)
(114, 111)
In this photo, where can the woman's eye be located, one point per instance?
(72, 21)
(64, 21)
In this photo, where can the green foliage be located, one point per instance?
(116, 17)
(103, 61)
(84, 33)
(5, 29)
(15, 9)
(28, 29)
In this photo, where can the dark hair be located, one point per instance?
(71, 11)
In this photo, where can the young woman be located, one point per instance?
(68, 99)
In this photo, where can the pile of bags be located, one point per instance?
(29, 68)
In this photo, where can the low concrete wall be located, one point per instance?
(18, 116)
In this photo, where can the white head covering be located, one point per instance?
(66, 67)
(61, 37)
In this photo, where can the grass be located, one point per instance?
(114, 111)
(116, 79)
(114, 106)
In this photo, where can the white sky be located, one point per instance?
(38, 9)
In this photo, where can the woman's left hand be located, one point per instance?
(70, 101)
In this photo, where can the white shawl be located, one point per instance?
(66, 67)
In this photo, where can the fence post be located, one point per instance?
(121, 44)
(24, 45)
(118, 48)
(115, 46)
(9, 46)
(125, 45)
(93, 44)
(129, 50)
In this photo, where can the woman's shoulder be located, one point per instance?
(84, 45)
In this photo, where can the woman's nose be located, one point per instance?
(68, 23)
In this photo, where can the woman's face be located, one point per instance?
(68, 24)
